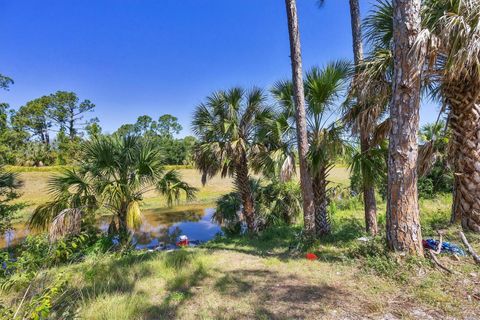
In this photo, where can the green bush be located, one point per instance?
(438, 180)
(275, 204)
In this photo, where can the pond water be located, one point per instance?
(158, 225)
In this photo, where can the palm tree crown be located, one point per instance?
(323, 88)
(226, 126)
(114, 174)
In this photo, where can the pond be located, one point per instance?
(158, 225)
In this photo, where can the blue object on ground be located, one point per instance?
(447, 247)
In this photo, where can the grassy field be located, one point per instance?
(262, 277)
(35, 187)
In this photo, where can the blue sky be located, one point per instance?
(135, 57)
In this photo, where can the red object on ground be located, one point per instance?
(311, 256)
(182, 243)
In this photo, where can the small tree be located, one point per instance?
(114, 173)
(226, 125)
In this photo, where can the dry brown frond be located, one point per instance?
(67, 222)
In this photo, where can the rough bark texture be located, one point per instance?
(242, 182)
(297, 79)
(464, 102)
(403, 221)
(370, 204)
(322, 220)
(122, 223)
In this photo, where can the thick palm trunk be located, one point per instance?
(403, 220)
(464, 101)
(242, 182)
(370, 204)
(297, 79)
(322, 221)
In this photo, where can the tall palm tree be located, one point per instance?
(451, 33)
(226, 125)
(298, 95)
(370, 205)
(403, 219)
(322, 91)
(114, 173)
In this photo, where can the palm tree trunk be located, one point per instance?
(369, 201)
(403, 220)
(322, 221)
(299, 97)
(242, 181)
(370, 204)
(122, 223)
(356, 32)
(464, 101)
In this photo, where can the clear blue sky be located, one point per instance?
(135, 57)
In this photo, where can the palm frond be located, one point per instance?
(134, 215)
(67, 222)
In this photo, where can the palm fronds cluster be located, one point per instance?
(113, 175)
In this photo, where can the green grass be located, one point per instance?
(262, 277)
(35, 189)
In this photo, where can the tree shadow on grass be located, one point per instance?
(278, 296)
(180, 291)
(284, 242)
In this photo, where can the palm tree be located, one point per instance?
(226, 125)
(450, 31)
(370, 205)
(113, 174)
(403, 219)
(298, 95)
(322, 90)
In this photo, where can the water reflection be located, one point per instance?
(158, 226)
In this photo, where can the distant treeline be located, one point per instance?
(50, 130)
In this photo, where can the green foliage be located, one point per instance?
(279, 203)
(227, 213)
(36, 154)
(376, 258)
(225, 126)
(275, 204)
(439, 178)
(369, 168)
(5, 82)
(41, 304)
(36, 253)
(162, 132)
(9, 185)
(114, 173)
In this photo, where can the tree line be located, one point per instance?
(51, 129)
